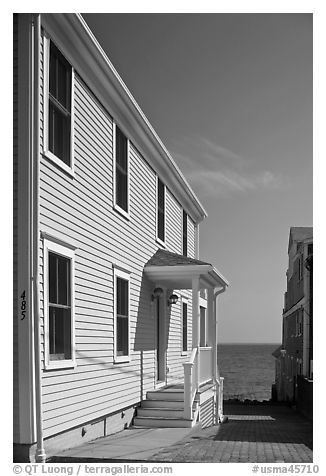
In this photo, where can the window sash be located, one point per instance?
(121, 170)
(185, 234)
(160, 210)
(122, 317)
(184, 327)
(59, 307)
(59, 106)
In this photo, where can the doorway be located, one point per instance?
(160, 341)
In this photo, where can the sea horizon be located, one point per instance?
(248, 369)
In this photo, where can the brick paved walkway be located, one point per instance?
(253, 434)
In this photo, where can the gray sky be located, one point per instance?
(230, 95)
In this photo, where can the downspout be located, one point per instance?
(217, 379)
(40, 452)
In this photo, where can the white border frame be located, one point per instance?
(67, 252)
(46, 63)
(119, 273)
(120, 210)
(159, 241)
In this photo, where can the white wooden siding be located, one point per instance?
(81, 208)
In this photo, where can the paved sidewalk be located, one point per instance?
(253, 434)
(263, 433)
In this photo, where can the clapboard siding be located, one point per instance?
(15, 232)
(81, 208)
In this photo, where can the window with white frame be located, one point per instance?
(59, 305)
(121, 172)
(184, 310)
(184, 233)
(58, 107)
(160, 210)
(121, 315)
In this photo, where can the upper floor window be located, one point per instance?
(160, 210)
(185, 234)
(58, 297)
(121, 171)
(59, 107)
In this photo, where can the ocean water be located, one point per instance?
(248, 370)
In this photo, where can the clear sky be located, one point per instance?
(231, 96)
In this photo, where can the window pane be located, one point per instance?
(121, 149)
(52, 278)
(59, 77)
(121, 189)
(160, 225)
(122, 335)
(160, 210)
(122, 297)
(63, 281)
(184, 326)
(185, 234)
(59, 134)
(63, 94)
(59, 333)
(59, 279)
(53, 73)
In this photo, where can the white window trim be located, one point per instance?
(115, 205)
(67, 252)
(159, 241)
(119, 273)
(184, 300)
(46, 152)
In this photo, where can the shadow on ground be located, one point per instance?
(253, 433)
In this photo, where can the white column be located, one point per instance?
(211, 338)
(195, 313)
(196, 323)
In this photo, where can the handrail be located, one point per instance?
(190, 382)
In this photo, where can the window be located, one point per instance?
(202, 327)
(58, 304)
(185, 234)
(184, 327)
(59, 113)
(121, 281)
(121, 171)
(160, 210)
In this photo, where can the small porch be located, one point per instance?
(201, 385)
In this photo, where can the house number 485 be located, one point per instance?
(23, 305)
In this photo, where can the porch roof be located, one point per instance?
(177, 271)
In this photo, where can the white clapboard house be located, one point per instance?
(115, 316)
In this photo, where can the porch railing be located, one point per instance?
(191, 382)
(206, 368)
(198, 370)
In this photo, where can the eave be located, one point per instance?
(180, 277)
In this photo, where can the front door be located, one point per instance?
(160, 344)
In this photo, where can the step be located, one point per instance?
(176, 395)
(147, 422)
(177, 404)
(160, 412)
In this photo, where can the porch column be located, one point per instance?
(196, 322)
(212, 340)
